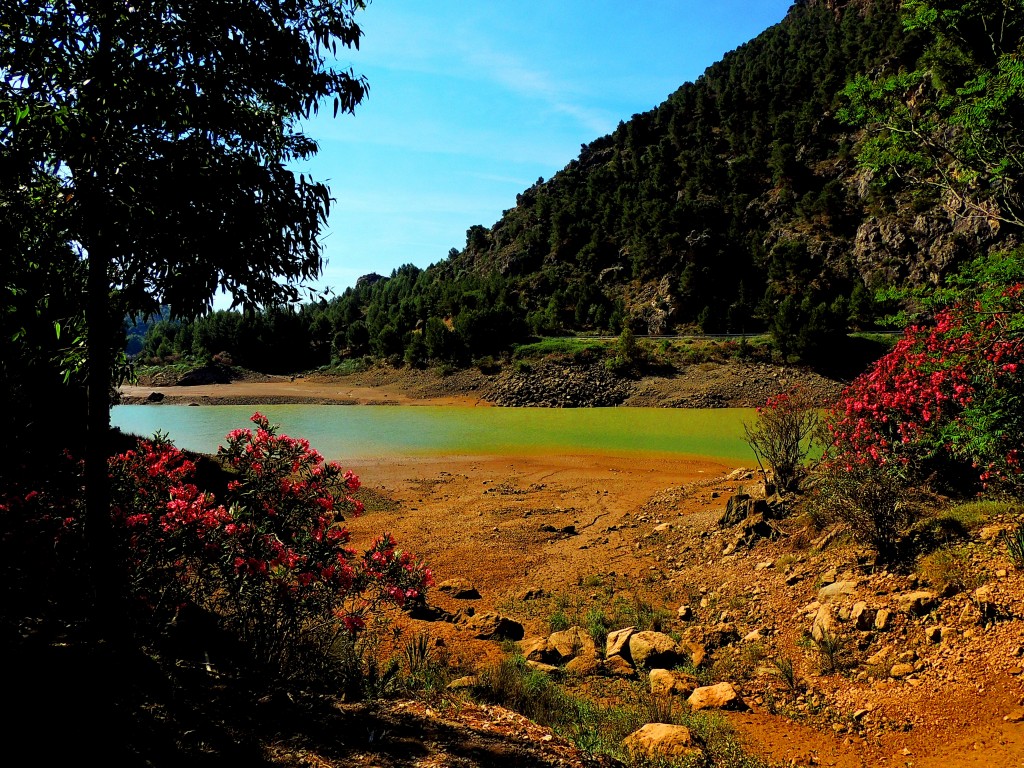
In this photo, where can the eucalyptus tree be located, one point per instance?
(170, 126)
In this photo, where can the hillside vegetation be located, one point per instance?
(737, 205)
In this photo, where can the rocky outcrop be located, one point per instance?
(560, 385)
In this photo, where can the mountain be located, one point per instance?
(737, 205)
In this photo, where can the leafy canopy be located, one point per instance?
(955, 122)
(170, 126)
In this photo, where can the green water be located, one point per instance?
(366, 431)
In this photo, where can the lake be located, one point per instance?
(366, 431)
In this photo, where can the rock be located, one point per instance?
(533, 593)
(861, 616)
(491, 626)
(901, 670)
(617, 666)
(836, 590)
(764, 565)
(983, 594)
(460, 683)
(548, 669)
(752, 637)
(584, 666)
(667, 683)
(918, 602)
(1015, 716)
(654, 649)
(618, 641)
(743, 473)
(719, 636)
(823, 624)
(685, 613)
(420, 611)
(698, 653)
(882, 619)
(934, 634)
(458, 588)
(878, 658)
(538, 649)
(828, 577)
(720, 696)
(738, 508)
(155, 397)
(758, 490)
(572, 642)
(661, 741)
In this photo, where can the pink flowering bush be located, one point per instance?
(945, 408)
(271, 558)
(169, 530)
(949, 397)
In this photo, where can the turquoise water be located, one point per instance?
(367, 431)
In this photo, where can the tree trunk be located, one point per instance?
(97, 483)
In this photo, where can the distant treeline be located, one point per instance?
(415, 316)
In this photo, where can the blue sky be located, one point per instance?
(471, 101)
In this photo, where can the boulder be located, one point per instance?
(901, 670)
(935, 634)
(458, 588)
(753, 528)
(584, 666)
(698, 653)
(883, 617)
(862, 616)
(719, 696)
(661, 741)
(532, 593)
(740, 507)
(617, 643)
(719, 636)
(492, 626)
(538, 649)
(572, 642)
(918, 602)
(655, 649)
(460, 683)
(836, 590)
(823, 623)
(617, 666)
(667, 683)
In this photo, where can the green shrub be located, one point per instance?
(1014, 543)
(834, 652)
(782, 435)
(949, 569)
(872, 499)
(558, 622)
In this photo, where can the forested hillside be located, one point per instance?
(737, 205)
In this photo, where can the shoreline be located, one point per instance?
(702, 385)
